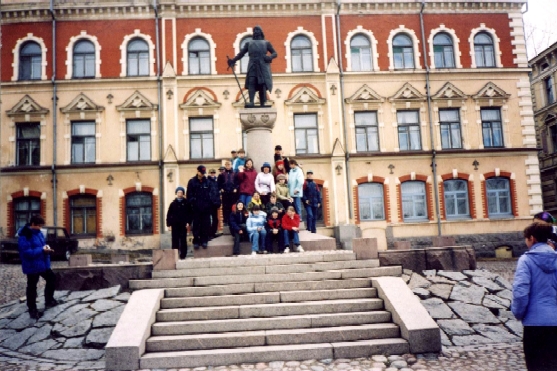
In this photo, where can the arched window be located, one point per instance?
(139, 213)
(24, 209)
(484, 50)
(245, 59)
(360, 50)
(30, 58)
(138, 57)
(199, 57)
(83, 215)
(456, 198)
(443, 51)
(302, 58)
(403, 51)
(498, 197)
(414, 202)
(83, 59)
(371, 201)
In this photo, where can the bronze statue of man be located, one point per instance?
(258, 76)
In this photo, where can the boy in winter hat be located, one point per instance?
(178, 217)
(256, 229)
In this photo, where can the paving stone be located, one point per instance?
(379, 358)
(503, 283)
(429, 273)
(79, 329)
(505, 294)
(470, 340)
(494, 301)
(82, 315)
(479, 273)
(74, 342)
(455, 276)
(506, 314)
(40, 347)
(515, 327)
(15, 311)
(21, 322)
(455, 327)
(473, 313)
(4, 334)
(4, 322)
(418, 281)
(103, 305)
(53, 312)
(42, 333)
(440, 279)
(109, 318)
(489, 284)
(74, 354)
(124, 296)
(445, 341)
(471, 295)
(90, 366)
(103, 294)
(19, 338)
(441, 290)
(496, 333)
(61, 294)
(421, 292)
(69, 312)
(79, 294)
(437, 308)
(98, 337)
(399, 364)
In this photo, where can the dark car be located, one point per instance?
(56, 237)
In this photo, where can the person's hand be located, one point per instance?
(267, 59)
(259, 229)
(234, 191)
(240, 232)
(231, 63)
(307, 202)
(170, 228)
(295, 229)
(296, 192)
(275, 231)
(241, 169)
(318, 205)
(47, 249)
(291, 199)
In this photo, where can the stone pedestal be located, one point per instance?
(365, 248)
(258, 123)
(165, 259)
(81, 260)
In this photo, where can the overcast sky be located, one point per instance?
(540, 23)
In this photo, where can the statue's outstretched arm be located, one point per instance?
(239, 56)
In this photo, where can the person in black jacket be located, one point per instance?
(228, 189)
(177, 219)
(312, 201)
(274, 230)
(203, 196)
(237, 224)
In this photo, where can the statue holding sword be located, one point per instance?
(258, 76)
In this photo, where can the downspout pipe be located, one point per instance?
(345, 144)
(54, 120)
(159, 120)
(432, 142)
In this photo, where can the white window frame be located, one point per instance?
(456, 46)
(415, 45)
(371, 219)
(17, 49)
(185, 51)
(496, 51)
(314, 44)
(69, 54)
(236, 45)
(373, 44)
(124, 53)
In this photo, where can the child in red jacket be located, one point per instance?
(274, 230)
(291, 226)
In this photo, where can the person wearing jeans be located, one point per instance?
(296, 185)
(256, 229)
(291, 227)
(312, 201)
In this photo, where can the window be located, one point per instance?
(245, 59)
(83, 215)
(484, 51)
(449, 122)
(498, 197)
(456, 198)
(28, 151)
(201, 138)
(414, 205)
(139, 213)
(408, 131)
(403, 51)
(302, 58)
(199, 56)
(549, 90)
(138, 58)
(30, 59)
(492, 129)
(367, 138)
(305, 134)
(443, 51)
(139, 140)
(553, 131)
(83, 59)
(83, 142)
(24, 209)
(360, 51)
(371, 201)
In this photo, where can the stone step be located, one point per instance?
(309, 276)
(268, 310)
(257, 324)
(268, 298)
(161, 283)
(266, 260)
(270, 269)
(297, 352)
(271, 337)
(241, 288)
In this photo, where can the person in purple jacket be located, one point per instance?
(35, 262)
(535, 299)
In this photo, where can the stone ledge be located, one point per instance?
(127, 343)
(450, 258)
(416, 325)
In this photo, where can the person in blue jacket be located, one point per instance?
(535, 299)
(312, 201)
(35, 262)
(296, 185)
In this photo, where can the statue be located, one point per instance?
(258, 76)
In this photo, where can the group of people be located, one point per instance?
(238, 184)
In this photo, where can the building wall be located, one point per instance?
(111, 98)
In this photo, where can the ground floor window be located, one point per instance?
(139, 213)
(24, 209)
(83, 215)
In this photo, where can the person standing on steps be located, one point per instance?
(296, 185)
(237, 223)
(265, 183)
(203, 196)
(228, 189)
(280, 157)
(215, 212)
(312, 201)
(245, 178)
(178, 217)
(35, 262)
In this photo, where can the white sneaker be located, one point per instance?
(287, 250)
(253, 253)
(300, 249)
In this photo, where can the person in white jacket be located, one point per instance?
(296, 185)
(265, 183)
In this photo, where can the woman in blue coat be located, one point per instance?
(35, 262)
(535, 299)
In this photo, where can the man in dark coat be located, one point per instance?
(203, 196)
(228, 189)
(35, 262)
(258, 76)
(177, 219)
(311, 200)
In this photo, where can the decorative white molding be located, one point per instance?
(124, 52)
(69, 54)
(314, 43)
(496, 51)
(17, 49)
(456, 45)
(212, 49)
(239, 37)
(415, 46)
(373, 45)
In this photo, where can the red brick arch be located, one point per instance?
(428, 194)
(193, 90)
(356, 197)
(303, 85)
(10, 225)
(512, 185)
(471, 195)
(155, 207)
(66, 209)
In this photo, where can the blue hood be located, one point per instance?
(544, 257)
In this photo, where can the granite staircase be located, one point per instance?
(312, 305)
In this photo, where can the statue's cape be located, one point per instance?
(257, 50)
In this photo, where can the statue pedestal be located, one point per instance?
(258, 123)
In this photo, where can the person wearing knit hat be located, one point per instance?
(265, 183)
(203, 195)
(279, 156)
(178, 217)
(279, 169)
(282, 191)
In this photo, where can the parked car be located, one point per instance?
(56, 237)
